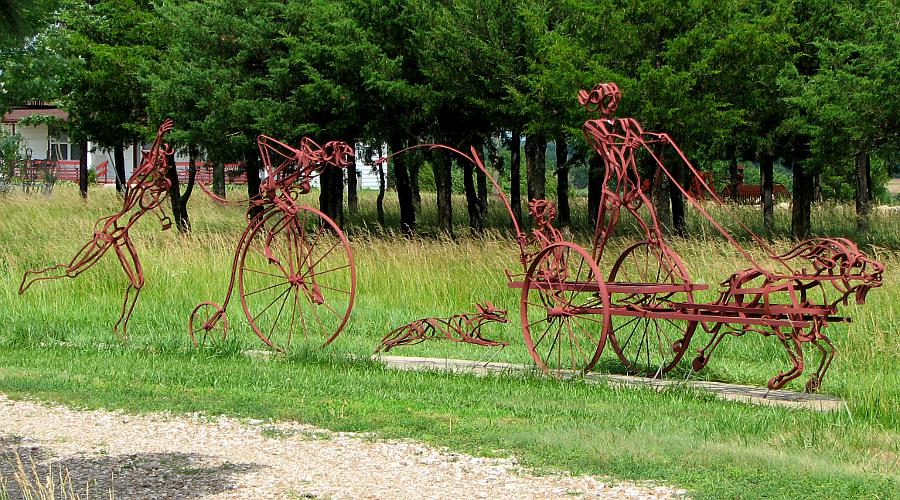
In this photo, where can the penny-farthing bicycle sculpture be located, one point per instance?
(646, 308)
(293, 267)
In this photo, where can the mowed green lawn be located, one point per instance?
(56, 344)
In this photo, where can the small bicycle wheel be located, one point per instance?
(297, 273)
(564, 310)
(208, 323)
(649, 345)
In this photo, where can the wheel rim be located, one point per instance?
(208, 324)
(649, 346)
(559, 335)
(297, 275)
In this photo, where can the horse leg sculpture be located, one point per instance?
(794, 349)
(826, 355)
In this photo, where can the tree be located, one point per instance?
(10, 17)
(106, 42)
(851, 99)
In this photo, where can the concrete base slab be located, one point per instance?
(730, 392)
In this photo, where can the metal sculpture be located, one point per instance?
(293, 266)
(645, 306)
(465, 327)
(785, 299)
(148, 187)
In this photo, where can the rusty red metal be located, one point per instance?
(293, 266)
(464, 328)
(645, 307)
(147, 188)
(791, 298)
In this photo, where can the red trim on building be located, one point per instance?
(18, 114)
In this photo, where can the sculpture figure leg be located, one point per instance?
(132, 267)
(86, 257)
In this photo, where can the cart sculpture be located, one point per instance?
(645, 306)
(146, 189)
(293, 266)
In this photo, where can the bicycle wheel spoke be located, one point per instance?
(248, 294)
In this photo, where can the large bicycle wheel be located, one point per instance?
(564, 310)
(297, 275)
(651, 345)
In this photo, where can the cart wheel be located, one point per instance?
(297, 273)
(208, 323)
(564, 310)
(813, 384)
(699, 363)
(646, 345)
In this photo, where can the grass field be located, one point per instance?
(56, 344)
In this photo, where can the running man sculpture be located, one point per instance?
(148, 187)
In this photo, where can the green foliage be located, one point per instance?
(10, 152)
(812, 82)
(106, 43)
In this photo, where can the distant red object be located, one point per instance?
(293, 266)
(465, 327)
(149, 187)
(751, 194)
(696, 188)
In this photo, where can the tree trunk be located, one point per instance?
(595, 186)
(481, 183)
(678, 221)
(863, 191)
(352, 181)
(404, 190)
(472, 203)
(379, 202)
(331, 194)
(802, 197)
(817, 187)
(252, 164)
(766, 172)
(414, 161)
(443, 185)
(661, 198)
(515, 174)
(179, 210)
(83, 170)
(564, 217)
(733, 179)
(119, 165)
(219, 178)
(192, 174)
(536, 166)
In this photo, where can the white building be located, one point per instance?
(39, 144)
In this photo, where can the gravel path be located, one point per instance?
(191, 456)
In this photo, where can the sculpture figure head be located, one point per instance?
(542, 211)
(490, 312)
(603, 98)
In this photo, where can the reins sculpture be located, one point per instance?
(293, 266)
(645, 306)
(148, 187)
